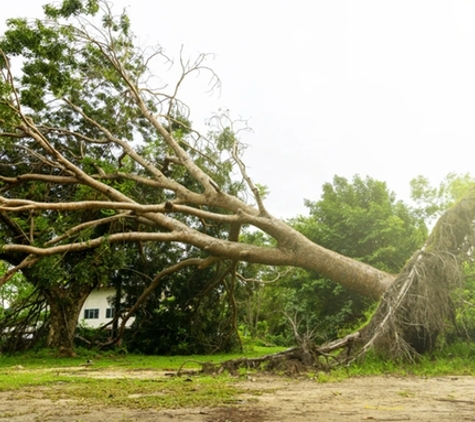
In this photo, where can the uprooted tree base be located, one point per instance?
(297, 359)
(292, 361)
(413, 314)
(419, 306)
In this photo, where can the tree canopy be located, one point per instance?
(97, 152)
(361, 219)
(85, 113)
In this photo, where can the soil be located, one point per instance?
(283, 400)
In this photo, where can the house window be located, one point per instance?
(110, 313)
(91, 313)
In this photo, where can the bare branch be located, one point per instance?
(279, 275)
(80, 227)
(60, 180)
(27, 262)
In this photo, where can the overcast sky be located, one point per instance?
(372, 87)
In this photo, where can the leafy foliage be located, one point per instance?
(433, 201)
(189, 312)
(72, 77)
(98, 159)
(360, 219)
(363, 220)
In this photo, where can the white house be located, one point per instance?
(97, 310)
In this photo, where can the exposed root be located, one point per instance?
(411, 316)
(293, 361)
(416, 309)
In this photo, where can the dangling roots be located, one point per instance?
(413, 313)
(415, 310)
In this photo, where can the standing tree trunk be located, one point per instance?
(64, 306)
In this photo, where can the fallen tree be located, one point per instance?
(93, 154)
(414, 312)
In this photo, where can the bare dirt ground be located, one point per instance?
(283, 400)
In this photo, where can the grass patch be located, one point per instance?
(455, 360)
(130, 381)
(405, 393)
(138, 382)
(49, 359)
(140, 393)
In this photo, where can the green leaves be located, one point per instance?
(433, 201)
(70, 8)
(47, 60)
(363, 220)
(122, 25)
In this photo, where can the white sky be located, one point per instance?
(368, 87)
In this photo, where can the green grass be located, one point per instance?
(457, 359)
(126, 392)
(48, 359)
(43, 375)
(136, 381)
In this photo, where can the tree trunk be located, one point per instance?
(64, 307)
(413, 312)
(294, 249)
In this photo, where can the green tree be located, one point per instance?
(432, 201)
(360, 219)
(189, 313)
(70, 128)
(85, 92)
